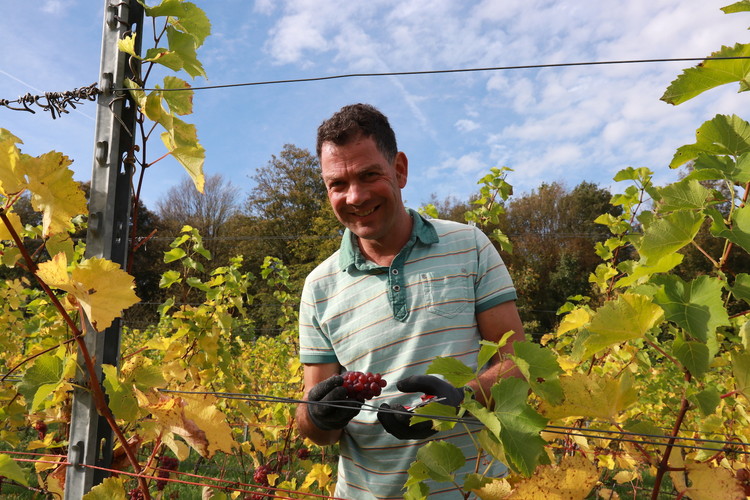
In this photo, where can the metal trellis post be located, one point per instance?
(107, 237)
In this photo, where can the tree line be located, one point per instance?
(286, 215)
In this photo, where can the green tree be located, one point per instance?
(553, 236)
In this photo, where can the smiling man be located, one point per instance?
(400, 291)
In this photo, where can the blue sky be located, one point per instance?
(557, 124)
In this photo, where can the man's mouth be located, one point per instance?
(363, 213)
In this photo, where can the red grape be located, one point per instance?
(362, 386)
(261, 475)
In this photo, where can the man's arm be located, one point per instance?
(314, 373)
(493, 324)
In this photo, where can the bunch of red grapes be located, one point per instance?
(362, 386)
(260, 475)
(166, 464)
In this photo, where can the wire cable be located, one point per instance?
(439, 71)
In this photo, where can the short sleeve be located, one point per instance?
(493, 284)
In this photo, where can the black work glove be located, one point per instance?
(331, 415)
(397, 424)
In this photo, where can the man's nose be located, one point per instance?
(356, 194)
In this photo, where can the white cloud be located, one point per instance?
(465, 125)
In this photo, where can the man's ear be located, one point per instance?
(401, 165)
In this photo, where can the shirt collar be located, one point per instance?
(350, 255)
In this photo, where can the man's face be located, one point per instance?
(364, 188)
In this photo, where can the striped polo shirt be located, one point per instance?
(395, 321)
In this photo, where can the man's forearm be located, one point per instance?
(312, 432)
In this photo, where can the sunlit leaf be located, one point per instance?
(741, 6)
(696, 306)
(628, 317)
(54, 192)
(520, 425)
(185, 16)
(573, 320)
(41, 379)
(739, 232)
(452, 369)
(592, 396)
(122, 399)
(722, 135)
(12, 168)
(497, 489)
(10, 469)
(15, 223)
(741, 372)
(541, 369)
(683, 195)
(110, 489)
(708, 482)
(184, 46)
(741, 287)
(711, 73)
(180, 101)
(642, 271)
(572, 479)
(99, 285)
(668, 234)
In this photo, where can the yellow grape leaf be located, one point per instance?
(99, 285)
(628, 317)
(54, 192)
(625, 476)
(320, 473)
(110, 489)
(572, 479)
(48, 462)
(573, 320)
(196, 419)
(15, 222)
(179, 448)
(710, 483)
(12, 168)
(498, 489)
(592, 396)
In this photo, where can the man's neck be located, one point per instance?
(382, 254)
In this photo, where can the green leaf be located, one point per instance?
(741, 6)
(722, 135)
(484, 415)
(520, 426)
(173, 255)
(693, 355)
(741, 287)
(180, 101)
(707, 401)
(10, 469)
(486, 351)
(745, 335)
(185, 47)
(641, 270)
(415, 487)
(666, 235)
(40, 380)
(441, 459)
(122, 399)
(683, 195)
(741, 372)
(452, 369)
(627, 317)
(711, 73)
(148, 377)
(541, 369)
(739, 232)
(184, 16)
(437, 410)
(169, 278)
(712, 167)
(697, 306)
(165, 57)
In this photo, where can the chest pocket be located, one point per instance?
(447, 295)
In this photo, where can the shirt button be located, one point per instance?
(396, 288)
(394, 271)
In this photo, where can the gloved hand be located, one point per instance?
(398, 424)
(331, 416)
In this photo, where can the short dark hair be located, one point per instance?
(355, 120)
